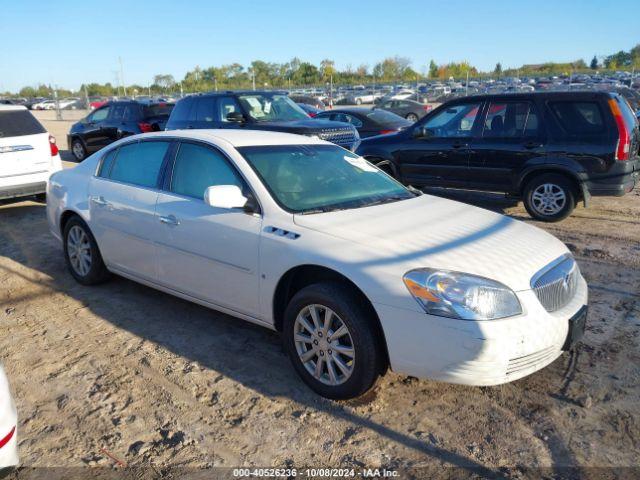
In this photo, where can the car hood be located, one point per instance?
(434, 232)
(311, 125)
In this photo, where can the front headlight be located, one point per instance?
(461, 295)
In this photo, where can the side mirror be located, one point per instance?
(235, 117)
(225, 196)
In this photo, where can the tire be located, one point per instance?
(95, 272)
(41, 198)
(78, 150)
(358, 101)
(360, 350)
(550, 197)
(412, 117)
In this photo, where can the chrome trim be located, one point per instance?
(15, 148)
(556, 284)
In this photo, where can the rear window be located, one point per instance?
(158, 110)
(16, 123)
(384, 117)
(579, 118)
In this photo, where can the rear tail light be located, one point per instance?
(145, 127)
(426, 107)
(624, 136)
(385, 132)
(53, 146)
(7, 439)
(312, 115)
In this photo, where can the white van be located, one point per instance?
(28, 154)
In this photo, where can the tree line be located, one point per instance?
(298, 73)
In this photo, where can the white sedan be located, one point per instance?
(356, 271)
(8, 425)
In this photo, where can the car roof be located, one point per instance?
(526, 95)
(355, 110)
(240, 137)
(4, 107)
(238, 92)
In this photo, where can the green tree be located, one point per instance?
(594, 63)
(433, 69)
(498, 69)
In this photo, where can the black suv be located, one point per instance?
(113, 121)
(551, 149)
(254, 110)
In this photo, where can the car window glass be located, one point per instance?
(453, 121)
(117, 113)
(226, 105)
(15, 123)
(205, 108)
(99, 115)
(356, 122)
(107, 163)
(578, 118)
(198, 167)
(510, 120)
(181, 112)
(139, 163)
(131, 112)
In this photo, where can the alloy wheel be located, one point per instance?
(78, 150)
(79, 250)
(548, 199)
(324, 344)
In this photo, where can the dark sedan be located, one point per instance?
(409, 109)
(368, 121)
(114, 121)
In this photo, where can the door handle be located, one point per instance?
(99, 201)
(459, 145)
(532, 145)
(170, 220)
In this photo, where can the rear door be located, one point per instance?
(24, 144)
(441, 156)
(122, 204)
(509, 139)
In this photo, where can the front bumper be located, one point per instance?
(478, 353)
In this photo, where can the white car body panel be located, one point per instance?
(26, 162)
(244, 256)
(8, 424)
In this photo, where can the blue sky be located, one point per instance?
(68, 42)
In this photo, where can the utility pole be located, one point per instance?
(124, 89)
(58, 112)
(253, 78)
(215, 83)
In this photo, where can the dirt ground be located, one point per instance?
(122, 374)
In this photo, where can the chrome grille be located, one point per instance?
(556, 284)
(339, 136)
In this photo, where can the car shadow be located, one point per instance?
(214, 340)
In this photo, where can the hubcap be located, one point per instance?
(79, 250)
(78, 151)
(548, 199)
(324, 344)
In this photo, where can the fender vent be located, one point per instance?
(282, 233)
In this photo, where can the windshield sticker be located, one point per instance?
(361, 164)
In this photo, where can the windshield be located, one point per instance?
(321, 178)
(265, 108)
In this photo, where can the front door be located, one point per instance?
(510, 140)
(208, 253)
(122, 204)
(94, 134)
(436, 152)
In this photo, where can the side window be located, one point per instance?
(356, 122)
(117, 113)
(579, 118)
(99, 115)
(510, 120)
(226, 105)
(132, 112)
(205, 108)
(454, 121)
(182, 110)
(107, 163)
(139, 163)
(198, 167)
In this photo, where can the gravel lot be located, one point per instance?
(123, 374)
